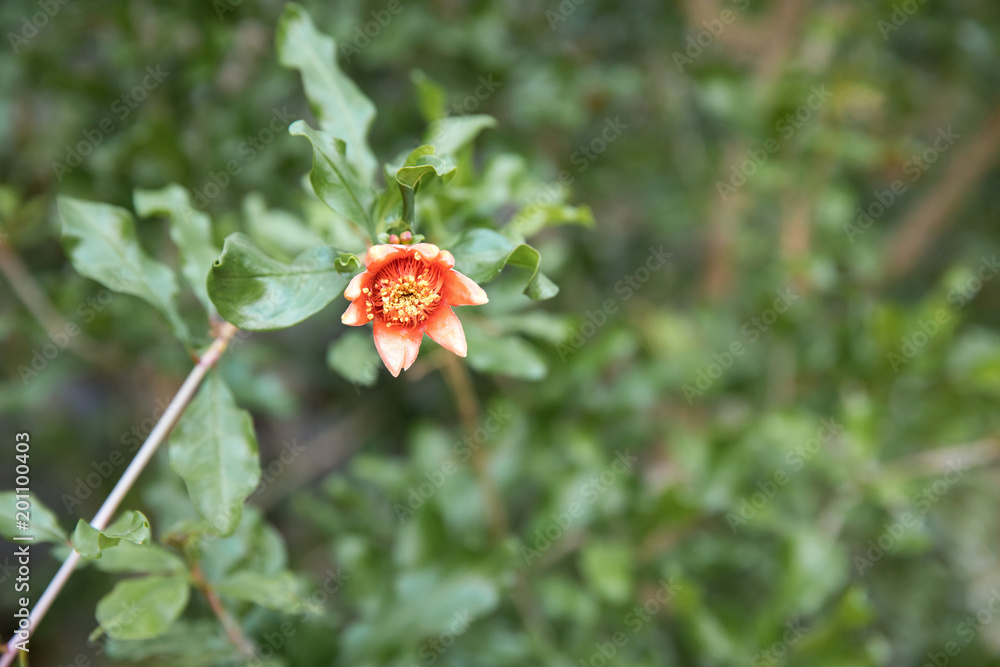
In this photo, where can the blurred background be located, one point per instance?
(757, 425)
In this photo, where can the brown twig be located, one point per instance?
(232, 628)
(457, 377)
(128, 478)
(936, 210)
(38, 304)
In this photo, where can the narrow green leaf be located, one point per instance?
(431, 97)
(42, 523)
(482, 254)
(190, 229)
(101, 242)
(335, 180)
(147, 558)
(214, 450)
(281, 591)
(258, 293)
(450, 135)
(131, 526)
(142, 608)
(342, 109)
(353, 355)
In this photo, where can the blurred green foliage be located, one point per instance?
(757, 424)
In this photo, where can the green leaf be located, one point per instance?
(342, 109)
(450, 135)
(142, 608)
(353, 355)
(131, 526)
(199, 643)
(335, 180)
(431, 97)
(43, 525)
(148, 558)
(421, 162)
(281, 591)
(481, 254)
(258, 293)
(190, 229)
(214, 450)
(101, 243)
(503, 355)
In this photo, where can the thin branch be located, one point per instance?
(456, 375)
(932, 214)
(38, 304)
(128, 478)
(233, 631)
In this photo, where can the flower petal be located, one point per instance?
(427, 251)
(357, 283)
(445, 260)
(398, 347)
(378, 255)
(460, 290)
(356, 314)
(444, 329)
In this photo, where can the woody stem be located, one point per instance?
(128, 478)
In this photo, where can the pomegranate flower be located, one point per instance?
(405, 292)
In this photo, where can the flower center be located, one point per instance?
(405, 292)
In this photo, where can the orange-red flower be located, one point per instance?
(405, 292)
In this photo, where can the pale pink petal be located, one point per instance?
(398, 351)
(445, 260)
(426, 251)
(460, 290)
(356, 314)
(378, 255)
(444, 329)
(357, 283)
